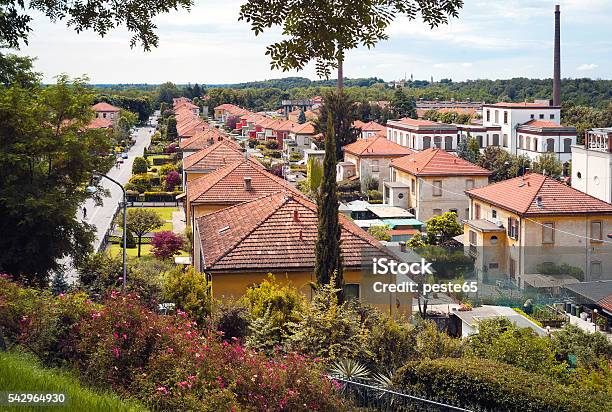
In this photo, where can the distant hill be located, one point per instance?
(295, 82)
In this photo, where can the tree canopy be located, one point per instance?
(101, 16)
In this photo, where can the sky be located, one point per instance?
(491, 39)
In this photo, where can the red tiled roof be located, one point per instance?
(100, 123)
(227, 184)
(369, 126)
(541, 123)
(284, 125)
(304, 128)
(104, 107)
(277, 231)
(418, 122)
(437, 162)
(521, 104)
(376, 146)
(606, 303)
(213, 157)
(202, 139)
(520, 195)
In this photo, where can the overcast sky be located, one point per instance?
(491, 39)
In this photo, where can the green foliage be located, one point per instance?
(59, 284)
(501, 341)
(190, 291)
(18, 70)
(301, 117)
(391, 344)
(141, 221)
(140, 166)
(342, 111)
(130, 242)
(314, 175)
(433, 344)
(47, 158)
(171, 132)
(22, 373)
(550, 268)
(264, 334)
(548, 164)
(482, 384)
(380, 232)
(232, 322)
(473, 150)
(590, 349)
(328, 263)
(441, 229)
(417, 241)
(328, 329)
(141, 182)
(403, 105)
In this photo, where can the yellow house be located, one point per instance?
(240, 181)
(239, 245)
(220, 154)
(432, 182)
(533, 225)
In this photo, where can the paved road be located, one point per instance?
(101, 215)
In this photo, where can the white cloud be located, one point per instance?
(586, 67)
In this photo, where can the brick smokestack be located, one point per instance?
(557, 59)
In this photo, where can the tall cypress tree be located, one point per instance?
(327, 248)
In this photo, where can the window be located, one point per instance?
(437, 188)
(426, 142)
(505, 141)
(104, 115)
(437, 212)
(550, 145)
(513, 228)
(579, 175)
(512, 268)
(494, 214)
(351, 291)
(438, 142)
(473, 238)
(493, 265)
(505, 117)
(548, 232)
(454, 211)
(469, 184)
(413, 142)
(496, 116)
(596, 232)
(477, 211)
(479, 138)
(395, 136)
(495, 140)
(541, 116)
(493, 240)
(567, 145)
(375, 166)
(532, 116)
(535, 144)
(528, 143)
(448, 143)
(400, 195)
(413, 188)
(596, 270)
(488, 115)
(552, 117)
(520, 142)
(467, 213)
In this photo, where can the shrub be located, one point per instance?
(271, 144)
(171, 148)
(374, 195)
(140, 166)
(380, 232)
(391, 344)
(160, 196)
(162, 160)
(166, 244)
(190, 291)
(131, 195)
(130, 242)
(172, 180)
(485, 384)
(165, 169)
(348, 186)
(232, 322)
(141, 182)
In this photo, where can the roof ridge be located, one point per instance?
(222, 172)
(433, 152)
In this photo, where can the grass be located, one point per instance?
(164, 212)
(22, 373)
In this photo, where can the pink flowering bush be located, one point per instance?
(172, 180)
(167, 362)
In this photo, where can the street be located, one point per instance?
(101, 215)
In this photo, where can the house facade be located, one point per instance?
(592, 164)
(106, 111)
(432, 182)
(418, 134)
(532, 224)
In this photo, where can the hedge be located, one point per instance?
(161, 196)
(482, 384)
(158, 161)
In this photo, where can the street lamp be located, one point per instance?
(93, 189)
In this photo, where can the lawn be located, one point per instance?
(164, 212)
(22, 373)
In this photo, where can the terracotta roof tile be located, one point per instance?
(277, 231)
(100, 123)
(521, 194)
(202, 139)
(304, 128)
(227, 184)
(104, 107)
(437, 162)
(376, 146)
(214, 157)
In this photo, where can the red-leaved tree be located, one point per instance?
(166, 244)
(173, 179)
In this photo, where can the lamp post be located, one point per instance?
(93, 189)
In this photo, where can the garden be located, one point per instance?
(274, 350)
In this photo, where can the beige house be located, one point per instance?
(523, 227)
(432, 182)
(106, 112)
(370, 156)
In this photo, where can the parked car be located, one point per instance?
(124, 155)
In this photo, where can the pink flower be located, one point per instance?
(162, 389)
(96, 315)
(116, 352)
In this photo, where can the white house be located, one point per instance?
(418, 134)
(592, 164)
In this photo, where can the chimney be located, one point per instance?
(402, 246)
(247, 183)
(557, 59)
(296, 215)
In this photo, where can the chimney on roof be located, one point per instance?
(539, 201)
(557, 59)
(248, 183)
(402, 246)
(296, 215)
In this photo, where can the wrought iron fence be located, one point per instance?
(377, 398)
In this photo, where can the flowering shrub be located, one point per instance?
(172, 180)
(164, 361)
